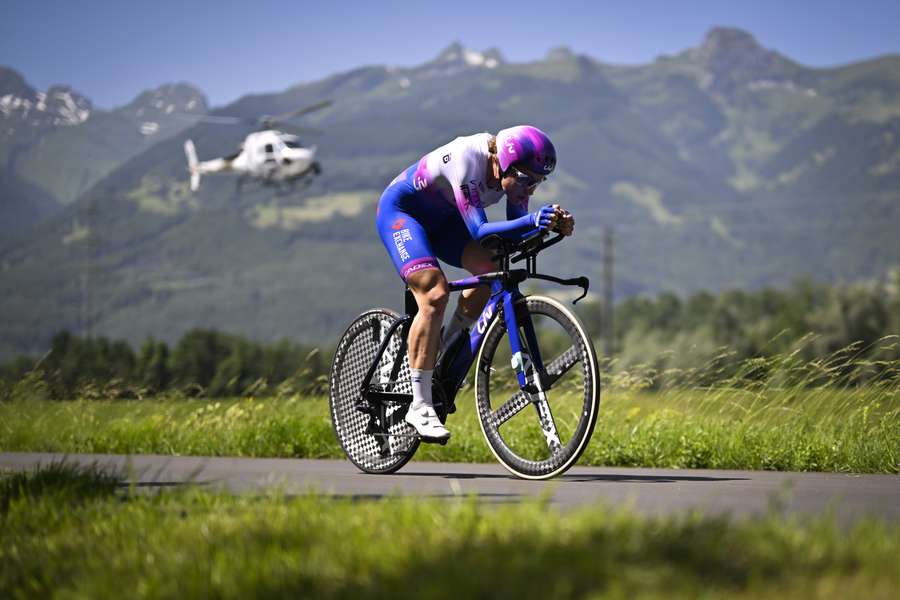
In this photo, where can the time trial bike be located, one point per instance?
(537, 397)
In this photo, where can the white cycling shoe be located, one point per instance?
(426, 423)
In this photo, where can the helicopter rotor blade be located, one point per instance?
(301, 111)
(217, 119)
(295, 129)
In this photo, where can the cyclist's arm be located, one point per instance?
(479, 227)
(515, 210)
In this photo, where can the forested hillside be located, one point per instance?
(725, 166)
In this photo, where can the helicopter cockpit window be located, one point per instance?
(292, 144)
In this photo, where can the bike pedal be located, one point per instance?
(439, 441)
(364, 408)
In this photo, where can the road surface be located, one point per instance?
(650, 491)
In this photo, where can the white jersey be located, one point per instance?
(455, 173)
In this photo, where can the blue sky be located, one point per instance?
(111, 51)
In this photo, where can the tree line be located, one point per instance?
(859, 323)
(851, 324)
(203, 362)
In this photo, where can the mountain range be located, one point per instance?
(725, 165)
(54, 144)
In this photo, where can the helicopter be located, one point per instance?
(268, 155)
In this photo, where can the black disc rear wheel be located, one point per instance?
(385, 443)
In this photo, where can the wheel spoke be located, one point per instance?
(548, 425)
(510, 408)
(560, 365)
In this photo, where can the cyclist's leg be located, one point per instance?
(408, 245)
(429, 286)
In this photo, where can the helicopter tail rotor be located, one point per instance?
(193, 164)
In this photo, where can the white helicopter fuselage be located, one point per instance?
(269, 155)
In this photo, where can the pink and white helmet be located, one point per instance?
(527, 147)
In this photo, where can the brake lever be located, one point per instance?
(583, 282)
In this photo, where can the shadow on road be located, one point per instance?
(511, 498)
(576, 478)
(456, 475)
(648, 478)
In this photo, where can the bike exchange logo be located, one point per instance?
(400, 239)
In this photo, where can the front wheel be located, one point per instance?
(538, 435)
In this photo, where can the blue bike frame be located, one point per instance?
(504, 292)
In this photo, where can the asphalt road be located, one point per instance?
(650, 491)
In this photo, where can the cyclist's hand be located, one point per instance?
(565, 223)
(545, 218)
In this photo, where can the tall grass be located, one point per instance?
(194, 543)
(778, 413)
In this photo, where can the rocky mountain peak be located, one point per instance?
(733, 58)
(167, 107)
(59, 105)
(167, 99)
(729, 40)
(12, 83)
(560, 54)
(727, 49)
(458, 55)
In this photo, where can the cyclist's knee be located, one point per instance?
(430, 290)
(436, 298)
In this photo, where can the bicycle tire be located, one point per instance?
(355, 352)
(498, 402)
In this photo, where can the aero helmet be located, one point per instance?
(527, 147)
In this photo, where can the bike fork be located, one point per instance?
(531, 361)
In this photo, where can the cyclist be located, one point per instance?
(435, 209)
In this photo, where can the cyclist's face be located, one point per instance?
(519, 184)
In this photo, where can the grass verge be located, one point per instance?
(843, 430)
(57, 541)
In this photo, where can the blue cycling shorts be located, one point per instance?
(416, 231)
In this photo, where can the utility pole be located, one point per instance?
(607, 291)
(88, 271)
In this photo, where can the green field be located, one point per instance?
(797, 429)
(73, 533)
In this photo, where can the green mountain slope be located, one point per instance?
(725, 165)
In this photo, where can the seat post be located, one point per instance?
(411, 307)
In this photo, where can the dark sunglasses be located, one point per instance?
(529, 182)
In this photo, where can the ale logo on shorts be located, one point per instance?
(398, 224)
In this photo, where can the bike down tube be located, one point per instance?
(490, 309)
